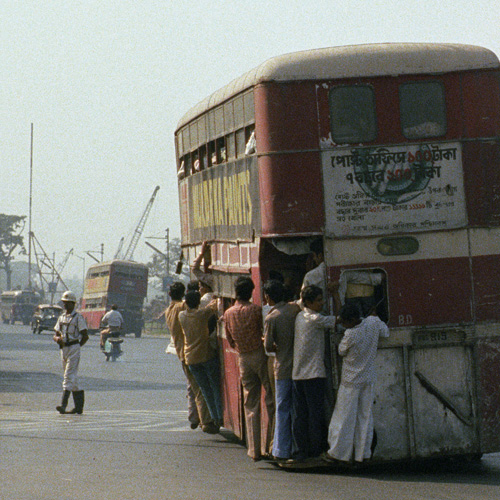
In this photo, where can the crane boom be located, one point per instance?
(140, 227)
(120, 246)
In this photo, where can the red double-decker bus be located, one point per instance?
(391, 154)
(119, 282)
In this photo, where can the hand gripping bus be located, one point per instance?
(391, 154)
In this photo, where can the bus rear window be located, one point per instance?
(352, 112)
(423, 109)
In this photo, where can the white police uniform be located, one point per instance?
(70, 326)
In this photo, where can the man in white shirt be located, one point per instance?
(318, 276)
(351, 428)
(309, 426)
(113, 320)
(70, 334)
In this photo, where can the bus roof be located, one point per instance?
(115, 262)
(351, 61)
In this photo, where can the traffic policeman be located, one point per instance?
(71, 334)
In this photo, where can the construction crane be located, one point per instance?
(49, 275)
(129, 253)
(120, 246)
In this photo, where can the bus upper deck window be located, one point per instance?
(423, 109)
(352, 114)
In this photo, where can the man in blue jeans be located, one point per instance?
(309, 426)
(279, 329)
(200, 356)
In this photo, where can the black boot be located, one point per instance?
(79, 399)
(64, 402)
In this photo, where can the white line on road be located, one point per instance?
(109, 420)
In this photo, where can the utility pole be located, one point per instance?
(30, 207)
(166, 279)
(168, 251)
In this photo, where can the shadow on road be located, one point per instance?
(445, 470)
(26, 381)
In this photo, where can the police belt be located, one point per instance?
(71, 342)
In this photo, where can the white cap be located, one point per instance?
(68, 296)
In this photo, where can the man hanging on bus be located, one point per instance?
(198, 412)
(244, 329)
(279, 328)
(317, 276)
(350, 432)
(309, 427)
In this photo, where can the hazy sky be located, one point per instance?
(105, 83)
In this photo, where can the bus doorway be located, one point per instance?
(288, 259)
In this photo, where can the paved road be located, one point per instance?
(133, 440)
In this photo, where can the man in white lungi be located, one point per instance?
(350, 432)
(71, 334)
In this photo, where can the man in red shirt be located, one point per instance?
(244, 329)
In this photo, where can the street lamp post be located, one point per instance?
(101, 252)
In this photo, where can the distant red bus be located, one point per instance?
(119, 282)
(391, 154)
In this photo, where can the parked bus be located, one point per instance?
(18, 305)
(391, 154)
(119, 282)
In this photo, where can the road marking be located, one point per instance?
(107, 420)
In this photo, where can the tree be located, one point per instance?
(11, 227)
(158, 266)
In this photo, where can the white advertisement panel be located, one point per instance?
(393, 189)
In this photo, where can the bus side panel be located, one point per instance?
(438, 430)
(486, 271)
(291, 194)
(222, 202)
(481, 102)
(481, 162)
(286, 120)
(390, 408)
(286, 117)
(429, 291)
(231, 391)
(488, 355)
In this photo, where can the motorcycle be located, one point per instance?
(113, 346)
